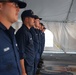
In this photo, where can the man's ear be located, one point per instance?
(26, 19)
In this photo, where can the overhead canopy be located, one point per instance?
(53, 10)
(55, 16)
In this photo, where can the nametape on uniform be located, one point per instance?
(30, 38)
(6, 49)
(16, 44)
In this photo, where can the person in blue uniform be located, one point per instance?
(25, 41)
(9, 57)
(35, 34)
(42, 37)
(42, 44)
(36, 46)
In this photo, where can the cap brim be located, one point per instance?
(40, 18)
(36, 17)
(21, 4)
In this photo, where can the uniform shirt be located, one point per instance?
(42, 42)
(9, 58)
(26, 46)
(35, 39)
(41, 37)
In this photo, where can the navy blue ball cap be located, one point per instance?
(27, 13)
(20, 3)
(36, 17)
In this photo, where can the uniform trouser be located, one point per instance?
(29, 69)
(29, 66)
(37, 58)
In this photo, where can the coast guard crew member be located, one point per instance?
(35, 33)
(25, 41)
(42, 44)
(42, 38)
(9, 58)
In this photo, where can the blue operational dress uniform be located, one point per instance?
(36, 47)
(38, 55)
(9, 57)
(26, 46)
(41, 37)
(42, 42)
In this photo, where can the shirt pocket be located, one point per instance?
(7, 60)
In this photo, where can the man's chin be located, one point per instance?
(14, 21)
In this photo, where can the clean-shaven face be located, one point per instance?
(9, 10)
(37, 23)
(31, 21)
